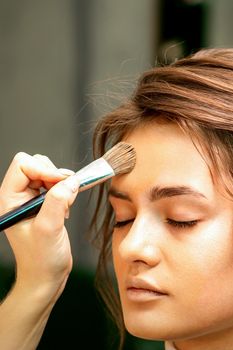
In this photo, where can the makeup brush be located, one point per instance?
(120, 159)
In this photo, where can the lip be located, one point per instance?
(141, 290)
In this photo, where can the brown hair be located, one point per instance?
(195, 92)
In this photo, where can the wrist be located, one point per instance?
(41, 293)
(23, 316)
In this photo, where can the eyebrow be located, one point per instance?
(157, 193)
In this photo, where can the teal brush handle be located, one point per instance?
(94, 173)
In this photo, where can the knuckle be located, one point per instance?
(58, 194)
(40, 156)
(19, 157)
(44, 160)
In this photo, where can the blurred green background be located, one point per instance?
(63, 64)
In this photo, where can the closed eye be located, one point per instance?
(119, 224)
(182, 224)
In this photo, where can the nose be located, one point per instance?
(143, 242)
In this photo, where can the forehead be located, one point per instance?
(156, 142)
(165, 155)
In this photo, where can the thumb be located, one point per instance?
(57, 202)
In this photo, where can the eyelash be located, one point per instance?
(119, 224)
(177, 224)
(182, 224)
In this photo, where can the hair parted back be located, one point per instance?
(195, 92)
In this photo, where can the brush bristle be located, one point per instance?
(121, 157)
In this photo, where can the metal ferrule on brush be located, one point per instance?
(120, 159)
(96, 172)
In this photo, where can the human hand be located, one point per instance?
(40, 244)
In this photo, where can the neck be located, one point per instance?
(207, 342)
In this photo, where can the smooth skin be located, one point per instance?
(173, 243)
(41, 247)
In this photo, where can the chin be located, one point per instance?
(153, 333)
(145, 330)
(150, 328)
(140, 333)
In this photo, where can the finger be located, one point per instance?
(37, 184)
(56, 205)
(44, 159)
(64, 172)
(25, 169)
(49, 163)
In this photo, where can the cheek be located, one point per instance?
(208, 273)
(215, 250)
(218, 273)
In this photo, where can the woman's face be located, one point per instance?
(173, 240)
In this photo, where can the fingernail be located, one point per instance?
(66, 172)
(73, 183)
